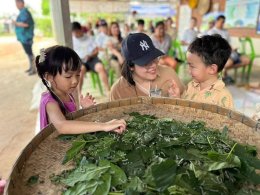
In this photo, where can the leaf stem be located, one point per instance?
(210, 143)
(231, 151)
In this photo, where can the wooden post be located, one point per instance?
(61, 22)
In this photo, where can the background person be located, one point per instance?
(189, 34)
(235, 58)
(85, 46)
(24, 27)
(163, 42)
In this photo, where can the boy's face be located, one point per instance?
(197, 69)
(77, 33)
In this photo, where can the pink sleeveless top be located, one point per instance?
(46, 98)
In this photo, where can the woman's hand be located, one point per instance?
(115, 125)
(87, 101)
(174, 90)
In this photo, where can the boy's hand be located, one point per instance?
(174, 90)
(115, 125)
(87, 101)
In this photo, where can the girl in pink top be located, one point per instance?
(59, 69)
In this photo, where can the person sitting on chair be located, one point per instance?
(235, 59)
(85, 46)
(162, 41)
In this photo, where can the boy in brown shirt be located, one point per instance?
(206, 57)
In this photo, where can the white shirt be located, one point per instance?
(163, 46)
(84, 45)
(222, 32)
(188, 36)
(102, 41)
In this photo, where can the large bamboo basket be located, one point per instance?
(44, 154)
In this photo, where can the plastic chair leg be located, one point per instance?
(93, 79)
(99, 84)
(111, 77)
(96, 80)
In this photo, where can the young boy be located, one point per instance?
(206, 57)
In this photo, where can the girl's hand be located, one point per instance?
(87, 101)
(174, 90)
(115, 125)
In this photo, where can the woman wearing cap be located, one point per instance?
(141, 74)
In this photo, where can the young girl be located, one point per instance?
(59, 69)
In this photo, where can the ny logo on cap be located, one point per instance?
(144, 45)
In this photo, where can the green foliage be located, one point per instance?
(44, 26)
(161, 156)
(45, 7)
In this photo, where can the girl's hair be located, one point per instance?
(119, 36)
(127, 73)
(52, 61)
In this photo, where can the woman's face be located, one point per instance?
(115, 29)
(160, 30)
(147, 72)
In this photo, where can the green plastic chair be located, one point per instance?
(96, 81)
(247, 48)
(111, 72)
(177, 51)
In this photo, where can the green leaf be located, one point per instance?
(224, 132)
(104, 186)
(232, 162)
(135, 184)
(246, 155)
(164, 174)
(77, 146)
(187, 180)
(177, 190)
(82, 188)
(85, 172)
(118, 175)
(67, 137)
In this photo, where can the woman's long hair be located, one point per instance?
(127, 73)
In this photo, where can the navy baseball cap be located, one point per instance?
(139, 48)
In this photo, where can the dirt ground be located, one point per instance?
(17, 123)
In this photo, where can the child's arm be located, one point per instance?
(64, 126)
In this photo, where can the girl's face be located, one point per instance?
(197, 69)
(66, 82)
(147, 72)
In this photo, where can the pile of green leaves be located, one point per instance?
(161, 156)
